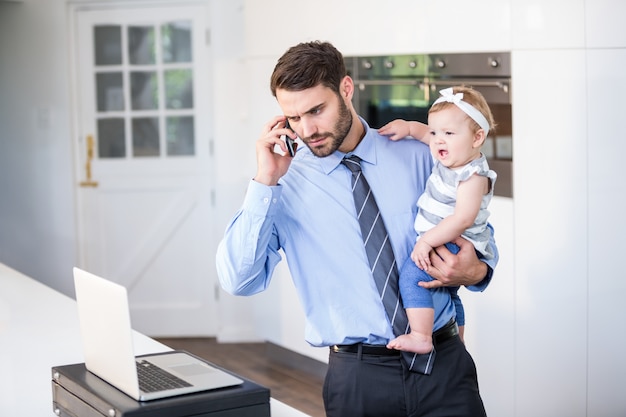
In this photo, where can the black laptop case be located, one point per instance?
(77, 392)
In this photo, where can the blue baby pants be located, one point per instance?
(414, 296)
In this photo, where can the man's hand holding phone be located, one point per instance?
(271, 166)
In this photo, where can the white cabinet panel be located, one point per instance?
(550, 186)
(548, 24)
(605, 23)
(272, 26)
(490, 319)
(371, 27)
(431, 26)
(607, 228)
(462, 26)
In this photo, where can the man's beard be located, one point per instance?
(340, 131)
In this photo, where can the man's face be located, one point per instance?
(319, 116)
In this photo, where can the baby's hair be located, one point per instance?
(475, 99)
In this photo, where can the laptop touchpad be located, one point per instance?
(192, 369)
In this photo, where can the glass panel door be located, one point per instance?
(144, 206)
(144, 78)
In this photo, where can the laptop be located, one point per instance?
(107, 339)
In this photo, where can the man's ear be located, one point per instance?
(346, 89)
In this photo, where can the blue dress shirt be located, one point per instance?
(310, 215)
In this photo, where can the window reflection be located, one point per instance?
(111, 138)
(179, 89)
(108, 45)
(180, 136)
(145, 136)
(141, 45)
(176, 41)
(110, 91)
(144, 90)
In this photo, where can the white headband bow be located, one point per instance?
(449, 96)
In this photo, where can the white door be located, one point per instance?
(143, 157)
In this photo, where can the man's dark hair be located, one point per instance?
(307, 65)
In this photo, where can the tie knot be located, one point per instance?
(353, 163)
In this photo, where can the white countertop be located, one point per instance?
(38, 330)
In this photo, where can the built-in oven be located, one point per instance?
(405, 86)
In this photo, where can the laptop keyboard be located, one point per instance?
(153, 379)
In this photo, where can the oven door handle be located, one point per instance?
(429, 82)
(503, 85)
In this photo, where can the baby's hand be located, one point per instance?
(396, 129)
(421, 255)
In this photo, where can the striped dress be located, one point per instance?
(439, 199)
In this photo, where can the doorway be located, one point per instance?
(144, 162)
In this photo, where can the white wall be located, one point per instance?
(545, 335)
(37, 233)
(605, 228)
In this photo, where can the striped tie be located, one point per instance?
(382, 260)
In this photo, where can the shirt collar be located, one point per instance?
(366, 150)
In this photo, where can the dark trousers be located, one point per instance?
(381, 386)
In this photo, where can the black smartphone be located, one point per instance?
(288, 141)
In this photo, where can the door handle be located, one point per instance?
(89, 182)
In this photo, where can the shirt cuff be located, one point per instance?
(262, 199)
(482, 285)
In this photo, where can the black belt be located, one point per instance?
(374, 350)
(443, 334)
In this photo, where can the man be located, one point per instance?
(304, 205)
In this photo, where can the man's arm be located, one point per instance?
(248, 252)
